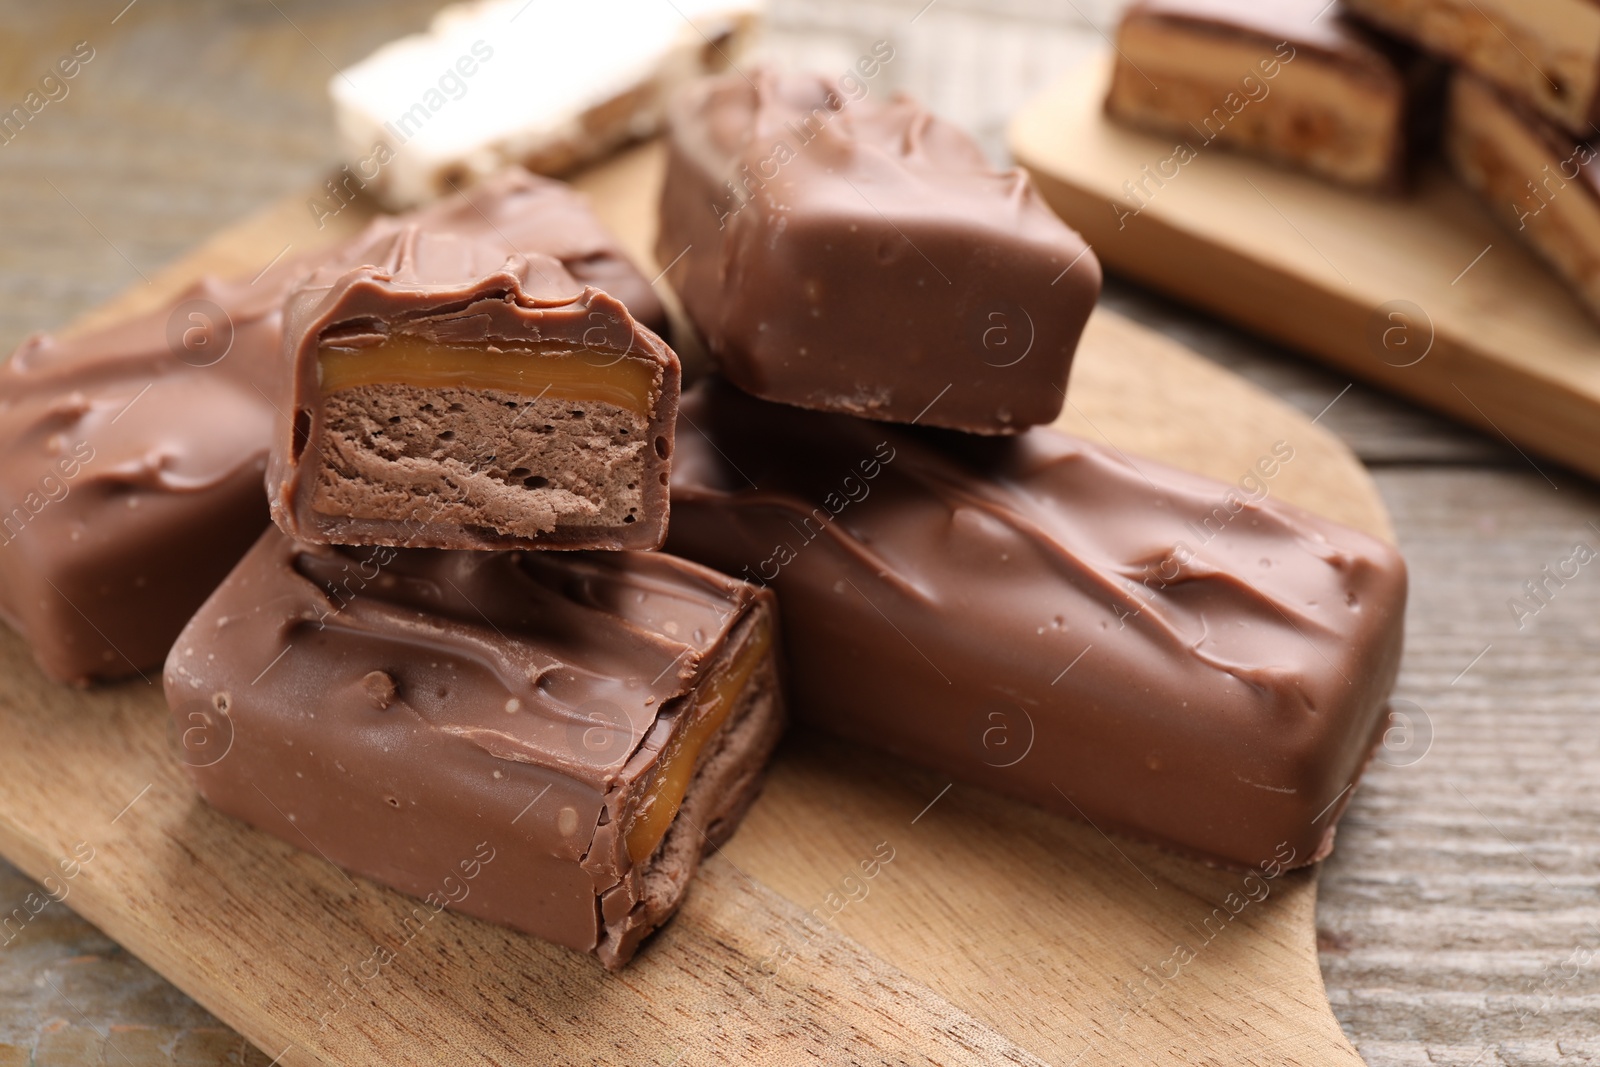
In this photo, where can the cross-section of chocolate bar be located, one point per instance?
(131, 463)
(1182, 660)
(1292, 81)
(1543, 53)
(1534, 176)
(849, 254)
(449, 395)
(528, 214)
(545, 740)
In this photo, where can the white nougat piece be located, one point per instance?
(547, 84)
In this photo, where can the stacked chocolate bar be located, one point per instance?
(1356, 91)
(1294, 81)
(402, 678)
(960, 585)
(455, 664)
(450, 410)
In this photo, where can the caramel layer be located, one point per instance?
(559, 373)
(713, 702)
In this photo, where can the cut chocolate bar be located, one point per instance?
(1292, 81)
(1545, 53)
(545, 740)
(850, 255)
(541, 84)
(446, 395)
(132, 458)
(1535, 177)
(1158, 653)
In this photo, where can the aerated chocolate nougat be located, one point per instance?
(449, 395)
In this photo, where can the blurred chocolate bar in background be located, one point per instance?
(1292, 81)
(1544, 53)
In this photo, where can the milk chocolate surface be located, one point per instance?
(1539, 180)
(1140, 647)
(545, 740)
(1543, 53)
(447, 395)
(532, 214)
(1292, 81)
(132, 458)
(863, 257)
(131, 463)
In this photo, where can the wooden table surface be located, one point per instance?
(1460, 915)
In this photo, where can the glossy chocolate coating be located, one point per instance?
(1037, 616)
(99, 569)
(865, 258)
(443, 287)
(430, 707)
(167, 495)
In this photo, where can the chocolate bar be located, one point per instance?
(132, 458)
(1545, 54)
(1534, 176)
(1187, 662)
(851, 255)
(131, 474)
(1292, 81)
(547, 86)
(545, 740)
(446, 396)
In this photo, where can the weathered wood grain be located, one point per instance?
(1460, 920)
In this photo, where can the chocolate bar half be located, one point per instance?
(1543, 53)
(1533, 175)
(1292, 81)
(1188, 662)
(132, 458)
(847, 254)
(449, 395)
(545, 740)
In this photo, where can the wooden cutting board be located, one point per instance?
(996, 934)
(1427, 296)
